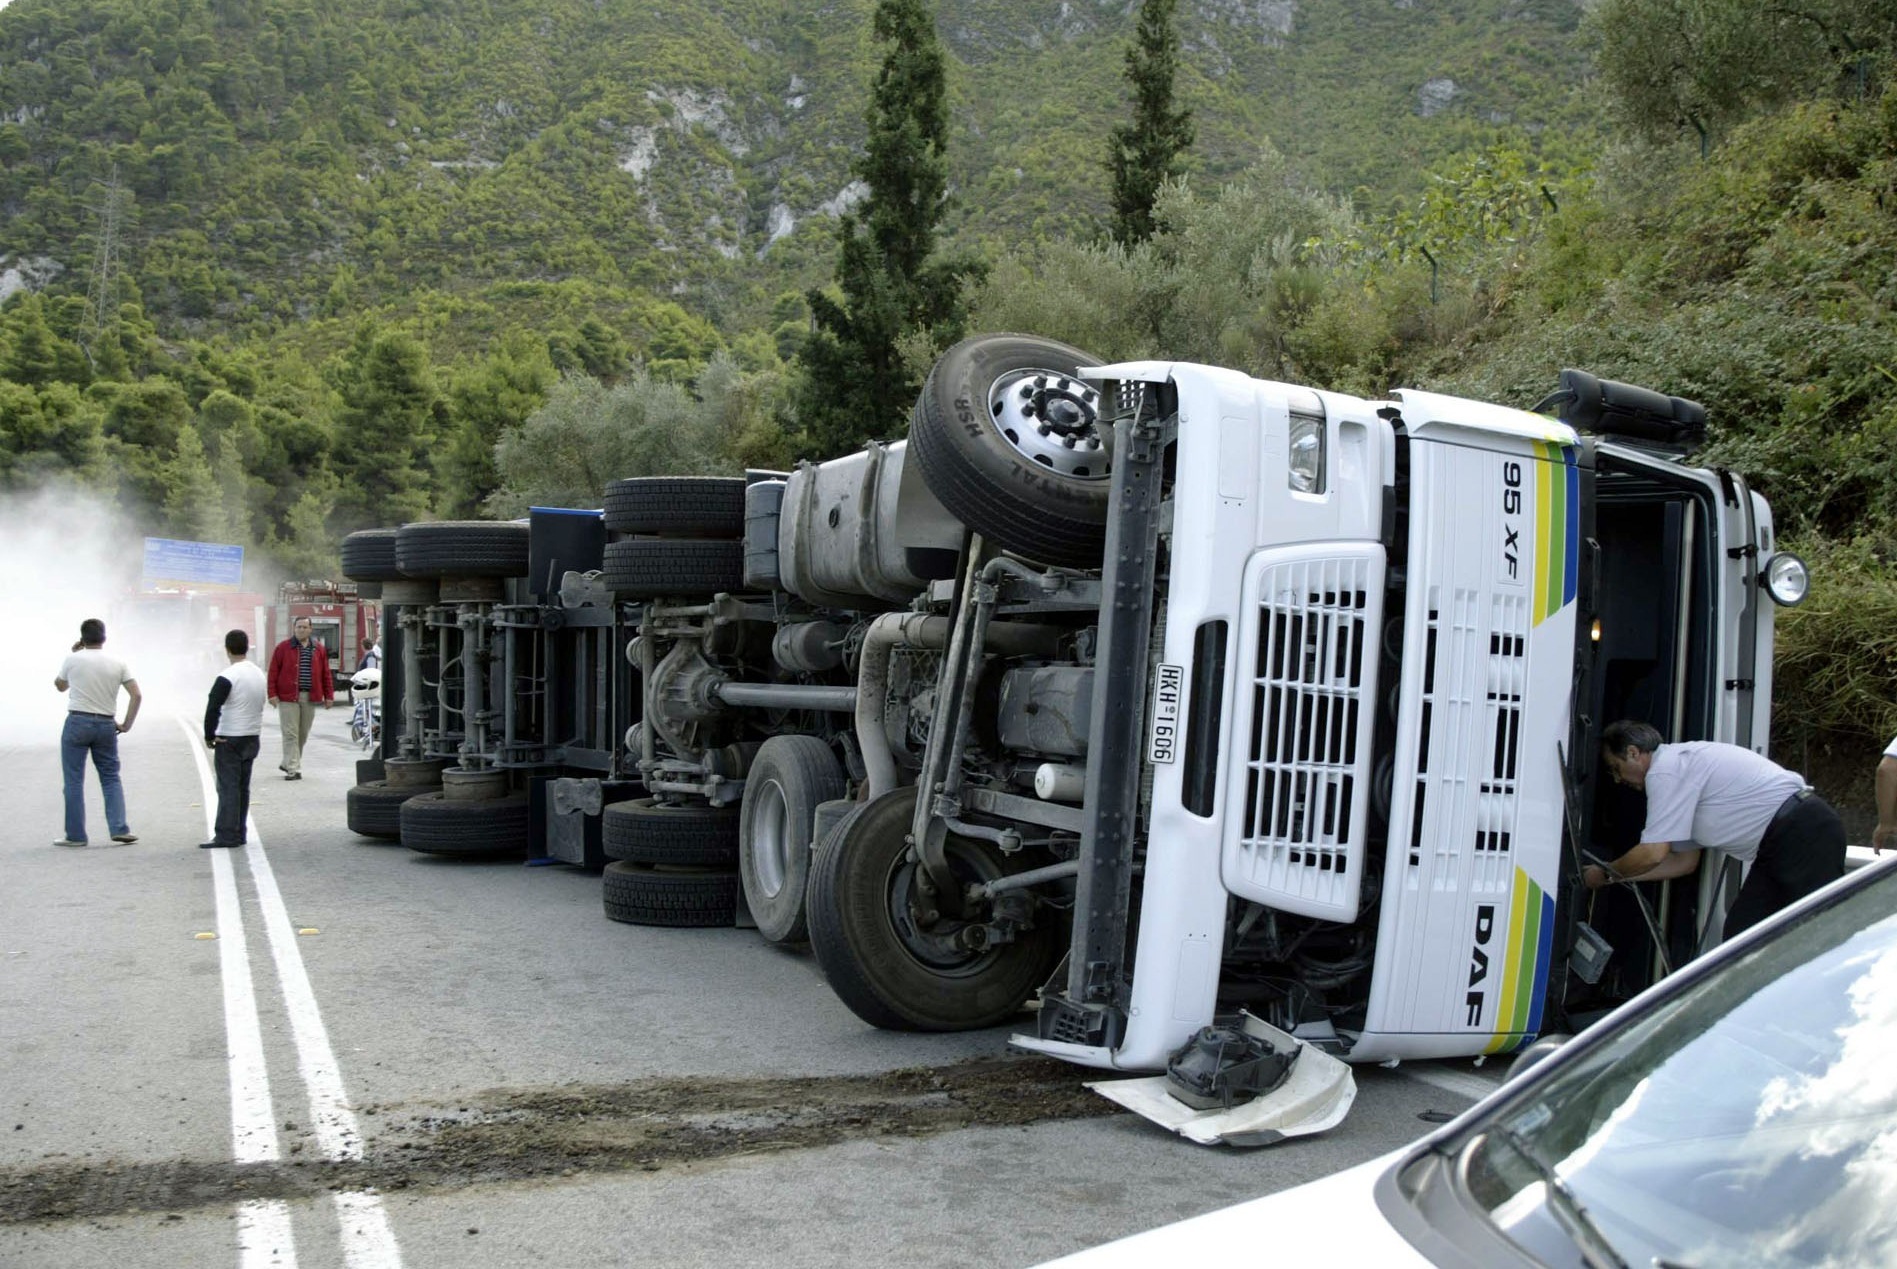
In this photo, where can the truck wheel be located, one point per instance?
(639, 894)
(789, 776)
(689, 834)
(683, 506)
(1013, 446)
(887, 966)
(644, 568)
(462, 548)
(475, 828)
(375, 809)
(369, 556)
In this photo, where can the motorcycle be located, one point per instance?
(365, 723)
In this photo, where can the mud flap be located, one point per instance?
(1314, 1097)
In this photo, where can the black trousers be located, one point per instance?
(1801, 851)
(232, 759)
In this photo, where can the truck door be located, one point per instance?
(1684, 643)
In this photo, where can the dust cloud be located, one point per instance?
(65, 555)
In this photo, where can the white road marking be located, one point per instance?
(337, 1134)
(1450, 1080)
(264, 1238)
(253, 1118)
(368, 1240)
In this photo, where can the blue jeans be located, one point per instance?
(98, 736)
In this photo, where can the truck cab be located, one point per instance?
(1312, 736)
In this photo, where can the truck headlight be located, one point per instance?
(1305, 474)
(1787, 580)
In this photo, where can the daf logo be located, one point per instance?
(1479, 963)
(1511, 519)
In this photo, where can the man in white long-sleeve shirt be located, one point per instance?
(232, 722)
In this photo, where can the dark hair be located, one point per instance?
(1628, 733)
(237, 643)
(92, 632)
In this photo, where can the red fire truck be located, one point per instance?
(340, 620)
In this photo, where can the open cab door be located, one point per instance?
(1678, 633)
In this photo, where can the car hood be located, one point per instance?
(1332, 1221)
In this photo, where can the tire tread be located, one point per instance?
(635, 894)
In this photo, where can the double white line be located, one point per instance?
(264, 1235)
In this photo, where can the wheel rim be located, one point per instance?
(770, 839)
(933, 948)
(1052, 420)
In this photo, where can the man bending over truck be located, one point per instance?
(1709, 795)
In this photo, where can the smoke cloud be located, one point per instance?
(66, 554)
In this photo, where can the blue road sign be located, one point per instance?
(194, 565)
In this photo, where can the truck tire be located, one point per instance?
(375, 809)
(369, 556)
(1011, 444)
(871, 949)
(688, 835)
(787, 779)
(639, 894)
(682, 506)
(644, 568)
(480, 828)
(462, 548)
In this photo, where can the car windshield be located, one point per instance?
(1749, 1120)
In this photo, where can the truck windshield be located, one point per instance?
(1750, 1120)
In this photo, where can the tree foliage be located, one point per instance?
(1674, 65)
(589, 433)
(1224, 280)
(890, 280)
(1148, 150)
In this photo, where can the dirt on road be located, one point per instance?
(521, 1134)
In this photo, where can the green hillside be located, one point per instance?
(286, 162)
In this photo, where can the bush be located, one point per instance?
(1837, 651)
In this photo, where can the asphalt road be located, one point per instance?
(323, 1051)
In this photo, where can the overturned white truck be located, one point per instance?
(1193, 695)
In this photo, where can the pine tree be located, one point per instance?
(1148, 151)
(191, 493)
(892, 283)
(384, 428)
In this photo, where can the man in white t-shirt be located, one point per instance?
(233, 720)
(92, 677)
(1708, 795)
(1884, 836)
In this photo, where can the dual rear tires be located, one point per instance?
(689, 536)
(673, 863)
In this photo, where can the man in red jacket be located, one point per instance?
(299, 682)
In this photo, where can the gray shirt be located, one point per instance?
(1706, 793)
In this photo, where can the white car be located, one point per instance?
(1743, 1111)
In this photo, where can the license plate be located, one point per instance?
(1162, 738)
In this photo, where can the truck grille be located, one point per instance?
(1474, 683)
(1311, 724)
